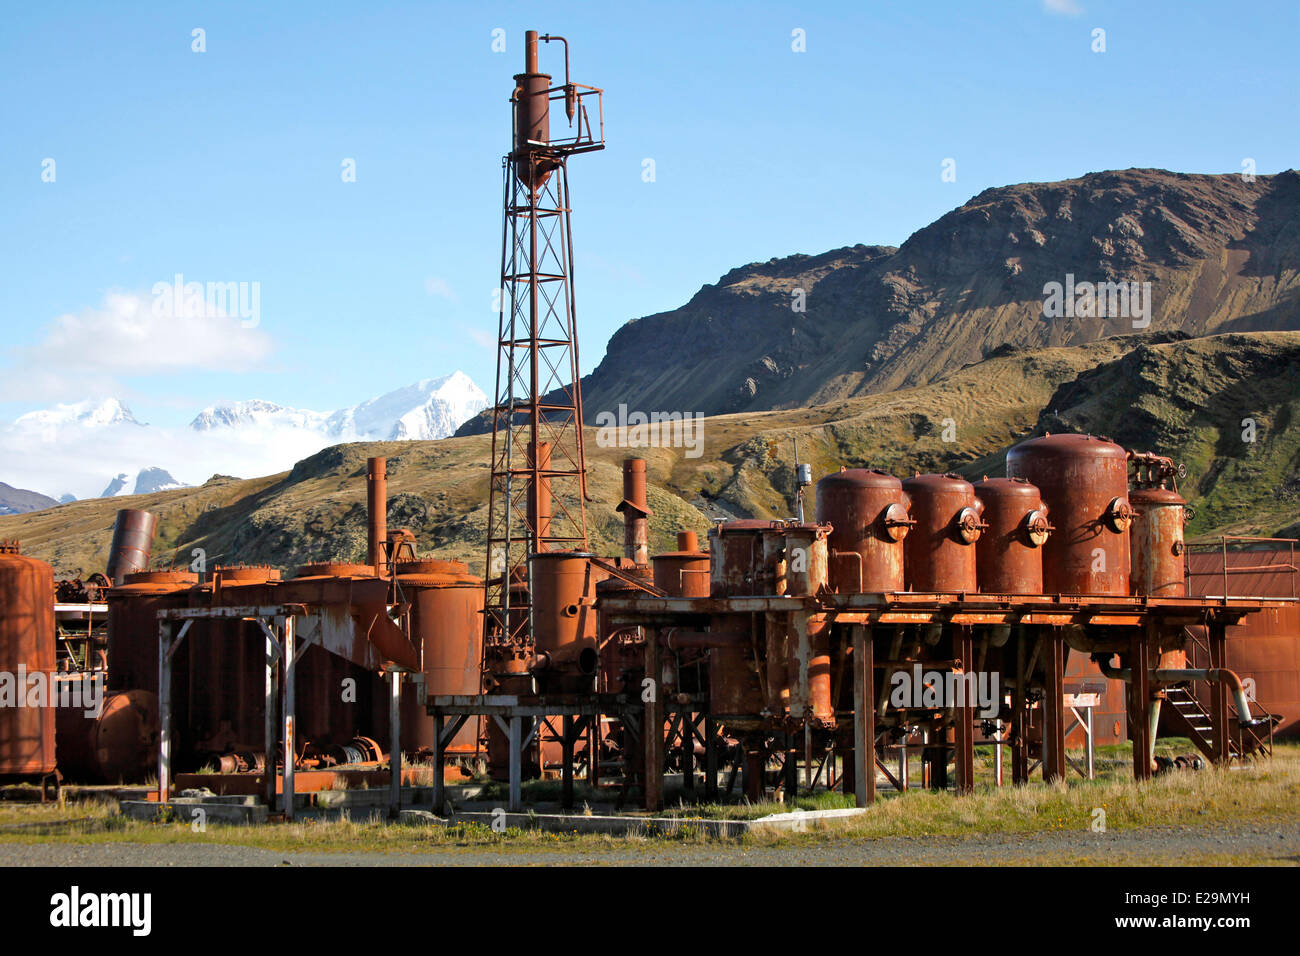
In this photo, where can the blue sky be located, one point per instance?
(225, 165)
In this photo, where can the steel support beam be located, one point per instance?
(1054, 652)
(652, 734)
(964, 712)
(864, 719)
(1139, 704)
(395, 744)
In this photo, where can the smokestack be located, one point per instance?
(688, 541)
(377, 504)
(539, 493)
(636, 529)
(132, 544)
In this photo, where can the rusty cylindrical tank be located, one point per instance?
(1156, 542)
(1084, 483)
(867, 511)
(117, 745)
(133, 625)
(1008, 554)
(377, 513)
(939, 554)
(684, 572)
(446, 625)
(564, 613)
(747, 557)
(132, 544)
(26, 651)
(532, 118)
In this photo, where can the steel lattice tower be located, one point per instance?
(538, 484)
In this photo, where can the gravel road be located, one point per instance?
(1265, 843)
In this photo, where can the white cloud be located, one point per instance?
(127, 335)
(435, 285)
(1065, 8)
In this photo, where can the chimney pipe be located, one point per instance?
(636, 529)
(377, 505)
(132, 544)
(539, 493)
(688, 541)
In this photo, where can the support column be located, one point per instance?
(395, 744)
(1139, 705)
(710, 759)
(164, 712)
(566, 761)
(290, 739)
(964, 712)
(652, 733)
(1054, 706)
(269, 697)
(1221, 723)
(516, 799)
(439, 790)
(688, 750)
(864, 719)
(1020, 713)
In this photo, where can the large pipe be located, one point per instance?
(377, 504)
(132, 544)
(636, 527)
(1214, 675)
(539, 493)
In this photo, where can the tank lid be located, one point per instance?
(945, 482)
(991, 487)
(861, 478)
(162, 577)
(328, 569)
(436, 573)
(245, 573)
(742, 525)
(1155, 496)
(1069, 444)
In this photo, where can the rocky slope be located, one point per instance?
(1220, 255)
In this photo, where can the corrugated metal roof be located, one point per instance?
(1267, 571)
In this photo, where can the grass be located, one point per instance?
(1207, 799)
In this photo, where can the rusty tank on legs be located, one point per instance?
(446, 607)
(867, 511)
(27, 637)
(684, 572)
(133, 625)
(1084, 483)
(1009, 555)
(564, 620)
(1156, 541)
(939, 551)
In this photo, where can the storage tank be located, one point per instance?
(684, 572)
(447, 627)
(867, 511)
(132, 544)
(939, 553)
(26, 645)
(133, 625)
(1156, 542)
(564, 613)
(1009, 553)
(117, 745)
(746, 557)
(1084, 483)
(807, 557)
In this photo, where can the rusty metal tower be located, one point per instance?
(538, 484)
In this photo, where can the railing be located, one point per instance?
(1222, 548)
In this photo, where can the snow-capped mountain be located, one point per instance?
(147, 482)
(86, 446)
(430, 409)
(87, 414)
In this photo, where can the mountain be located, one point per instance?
(429, 409)
(1163, 392)
(1220, 254)
(17, 501)
(87, 414)
(79, 446)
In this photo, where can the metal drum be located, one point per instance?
(940, 552)
(867, 511)
(26, 647)
(1156, 542)
(1084, 483)
(1009, 554)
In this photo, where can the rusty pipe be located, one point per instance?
(132, 545)
(1214, 675)
(377, 509)
(688, 541)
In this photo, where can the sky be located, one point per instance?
(128, 158)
